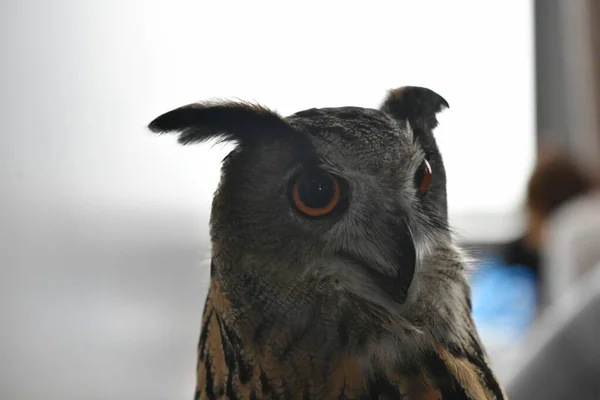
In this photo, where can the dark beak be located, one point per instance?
(403, 259)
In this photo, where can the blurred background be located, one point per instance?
(104, 227)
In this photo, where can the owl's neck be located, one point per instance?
(234, 357)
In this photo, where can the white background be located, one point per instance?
(102, 224)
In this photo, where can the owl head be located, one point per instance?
(324, 206)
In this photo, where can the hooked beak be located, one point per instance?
(400, 265)
(404, 258)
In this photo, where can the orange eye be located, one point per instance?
(316, 193)
(423, 177)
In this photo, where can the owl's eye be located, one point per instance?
(315, 193)
(423, 178)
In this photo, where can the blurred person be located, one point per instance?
(571, 248)
(509, 289)
(555, 181)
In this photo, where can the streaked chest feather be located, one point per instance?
(228, 368)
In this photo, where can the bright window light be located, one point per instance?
(118, 64)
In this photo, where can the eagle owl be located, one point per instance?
(334, 274)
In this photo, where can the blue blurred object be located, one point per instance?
(504, 301)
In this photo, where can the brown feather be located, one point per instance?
(342, 376)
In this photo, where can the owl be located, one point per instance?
(334, 273)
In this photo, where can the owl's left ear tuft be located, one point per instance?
(417, 104)
(225, 120)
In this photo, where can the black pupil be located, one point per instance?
(316, 190)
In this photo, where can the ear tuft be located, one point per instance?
(416, 104)
(237, 121)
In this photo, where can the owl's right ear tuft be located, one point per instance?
(226, 121)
